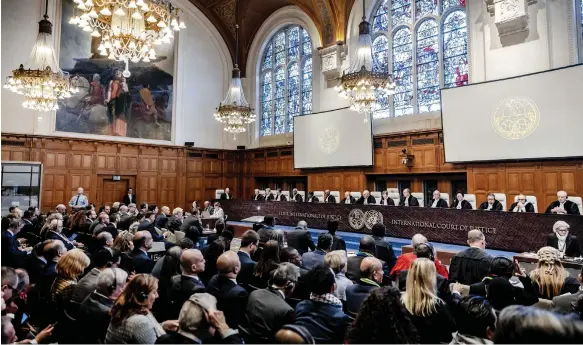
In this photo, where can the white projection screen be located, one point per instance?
(338, 138)
(535, 116)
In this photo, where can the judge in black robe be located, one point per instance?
(437, 201)
(329, 198)
(312, 198)
(492, 204)
(268, 195)
(296, 196)
(526, 205)
(257, 196)
(349, 197)
(564, 206)
(570, 245)
(385, 200)
(465, 204)
(407, 199)
(370, 200)
(280, 196)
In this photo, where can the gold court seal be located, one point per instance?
(515, 118)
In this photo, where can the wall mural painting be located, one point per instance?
(139, 106)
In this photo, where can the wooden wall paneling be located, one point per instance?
(167, 190)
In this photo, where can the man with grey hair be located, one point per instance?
(562, 205)
(296, 196)
(366, 198)
(522, 205)
(300, 238)
(267, 311)
(473, 264)
(561, 239)
(257, 196)
(198, 321)
(329, 198)
(94, 312)
(405, 260)
(407, 199)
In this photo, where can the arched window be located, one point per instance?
(423, 44)
(286, 80)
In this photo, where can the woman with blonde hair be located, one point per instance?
(132, 321)
(550, 278)
(71, 265)
(427, 311)
(49, 220)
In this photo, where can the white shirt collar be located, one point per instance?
(11, 233)
(233, 280)
(278, 290)
(192, 276)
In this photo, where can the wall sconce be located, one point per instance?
(406, 159)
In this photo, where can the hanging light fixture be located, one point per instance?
(234, 111)
(40, 79)
(360, 83)
(129, 29)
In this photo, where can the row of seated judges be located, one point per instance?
(561, 206)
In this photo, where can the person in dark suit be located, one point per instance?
(491, 204)
(300, 238)
(563, 304)
(267, 311)
(471, 265)
(198, 320)
(12, 255)
(141, 262)
(329, 198)
(55, 232)
(366, 199)
(563, 241)
(94, 316)
(268, 195)
(231, 297)
(208, 208)
(338, 243)
(257, 196)
(267, 229)
(316, 257)
(348, 199)
(437, 201)
(162, 218)
(279, 196)
(384, 249)
(521, 205)
(249, 245)
(366, 248)
(371, 275)
(385, 200)
(130, 197)
(226, 195)
(148, 225)
(460, 202)
(27, 227)
(322, 314)
(312, 198)
(111, 227)
(182, 286)
(296, 196)
(562, 205)
(36, 262)
(407, 199)
(192, 227)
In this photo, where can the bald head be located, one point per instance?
(476, 239)
(418, 239)
(370, 268)
(228, 264)
(192, 261)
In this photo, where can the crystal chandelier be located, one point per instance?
(42, 82)
(360, 82)
(129, 29)
(234, 111)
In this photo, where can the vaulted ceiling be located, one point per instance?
(329, 16)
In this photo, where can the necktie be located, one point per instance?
(77, 201)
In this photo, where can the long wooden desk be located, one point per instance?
(509, 231)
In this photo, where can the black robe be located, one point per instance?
(570, 207)
(388, 202)
(370, 200)
(465, 204)
(258, 197)
(412, 201)
(313, 199)
(297, 198)
(352, 200)
(330, 199)
(528, 207)
(571, 243)
(497, 206)
(270, 197)
(440, 203)
(281, 198)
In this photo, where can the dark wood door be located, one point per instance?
(114, 191)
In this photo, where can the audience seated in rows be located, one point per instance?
(316, 257)
(371, 275)
(366, 249)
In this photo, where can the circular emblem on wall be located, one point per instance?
(330, 141)
(356, 219)
(515, 118)
(371, 218)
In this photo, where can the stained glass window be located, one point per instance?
(423, 44)
(286, 80)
